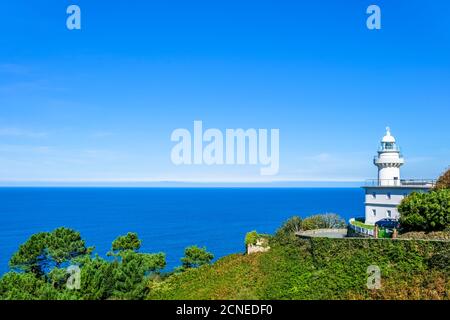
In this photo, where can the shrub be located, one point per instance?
(444, 181)
(440, 260)
(44, 250)
(130, 241)
(425, 211)
(286, 232)
(251, 238)
(323, 221)
(41, 264)
(319, 268)
(195, 257)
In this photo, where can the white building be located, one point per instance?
(384, 194)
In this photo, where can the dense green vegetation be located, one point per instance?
(255, 238)
(293, 268)
(425, 211)
(251, 238)
(319, 268)
(195, 257)
(39, 268)
(323, 221)
(427, 215)
(287, 232)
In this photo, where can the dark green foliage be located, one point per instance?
(66, 244)
(58, 277)
(32, 255)
(41, 263)
(425, 211)
(130, 274)
(195, 257)
(131, 268)
(25, 286)
(97, 279)
(130, 241)
(337, 268)
(440, 260)
(47, 249)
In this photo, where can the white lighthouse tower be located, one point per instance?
(388, 161)
(383, 195)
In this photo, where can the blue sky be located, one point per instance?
(99, 104)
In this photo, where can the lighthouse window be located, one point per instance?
(388, 146)
(389, 195)
(374, 212)
(389, 213)
(374, 195)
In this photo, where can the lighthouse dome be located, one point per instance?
(388, 137)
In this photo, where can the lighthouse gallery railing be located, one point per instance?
(400, 183)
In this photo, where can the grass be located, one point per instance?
(233, 277)
(363, 225)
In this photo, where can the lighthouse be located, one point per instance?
(383, 195)
(388, 161)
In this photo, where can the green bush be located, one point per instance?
(323, 221)
(425, 211)
(195, 257)
(49, 249)
(130, 241)
(440, 260)
(251, 238)
(39, 269)
(288, 230)
(26, 286)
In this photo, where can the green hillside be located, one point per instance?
(318, 269)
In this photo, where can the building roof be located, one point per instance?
(388, 137)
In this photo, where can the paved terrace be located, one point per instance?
(323, 233)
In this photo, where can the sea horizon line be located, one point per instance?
(186, 184)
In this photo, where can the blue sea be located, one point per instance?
(166, 219)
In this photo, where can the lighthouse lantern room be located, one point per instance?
(388, 161)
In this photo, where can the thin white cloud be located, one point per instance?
(18, 132)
